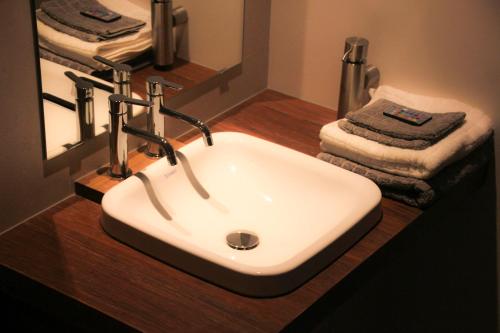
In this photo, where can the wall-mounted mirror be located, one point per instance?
(207, 40)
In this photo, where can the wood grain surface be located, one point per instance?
(65, 248)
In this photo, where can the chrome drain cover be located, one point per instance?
(242, 240)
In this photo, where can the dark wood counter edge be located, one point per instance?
(70, 310)
(27, 295)
(397, 245)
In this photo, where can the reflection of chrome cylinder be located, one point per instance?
(85, 111)
(162, 33)
(84, 106)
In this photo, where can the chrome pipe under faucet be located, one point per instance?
(163, 19)
(118, 130)
(155, 122)
(154, 87)
(162, 24)
(84, 106)
(357, 77)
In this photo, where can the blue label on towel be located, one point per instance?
(101, 15)
(412, 117)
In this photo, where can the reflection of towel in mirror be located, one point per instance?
(68, 13)
(51, 56)
(85, 36)
(413, 191)
(117, 49)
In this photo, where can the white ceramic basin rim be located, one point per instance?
(298, 206)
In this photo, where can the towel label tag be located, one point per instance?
(101, 15)
(409, 116)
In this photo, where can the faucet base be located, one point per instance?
(153, 155)
(120, 175)
(153, 150)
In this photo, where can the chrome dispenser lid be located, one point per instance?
(356, 49)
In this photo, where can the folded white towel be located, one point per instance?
(119, 49)
(421, 164)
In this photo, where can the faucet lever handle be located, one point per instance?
(115, 65)
(154, 80)
(140, 102)
(79, 82)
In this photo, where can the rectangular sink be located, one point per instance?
(293, 214)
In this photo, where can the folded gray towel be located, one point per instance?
(88, 37)
(372, 118)
(51, 56)
(413, 191)
(351, 128)
(67, 12)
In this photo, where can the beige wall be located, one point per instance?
(214, 33)
(446, 47)
(26, 183)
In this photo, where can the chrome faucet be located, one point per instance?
(121, 79)
(155, 122)
(154, 89)
(357, 77)
(84, 106)
(205, 131)
(118, 130)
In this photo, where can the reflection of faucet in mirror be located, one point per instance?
(118, 130)
(154, 89)
(121, 79)
(84, 106)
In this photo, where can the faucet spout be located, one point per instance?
(162, 142)
(207, 135)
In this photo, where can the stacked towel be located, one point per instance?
(398, 169)
(371, 123)
(117, 49)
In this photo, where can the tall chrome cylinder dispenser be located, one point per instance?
(357, 77)
(162, 23)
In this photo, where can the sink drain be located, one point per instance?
(242, 240)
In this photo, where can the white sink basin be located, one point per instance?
(305, 212)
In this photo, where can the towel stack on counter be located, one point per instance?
(72, 39)
(413, 164)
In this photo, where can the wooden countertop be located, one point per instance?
(66, 250)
